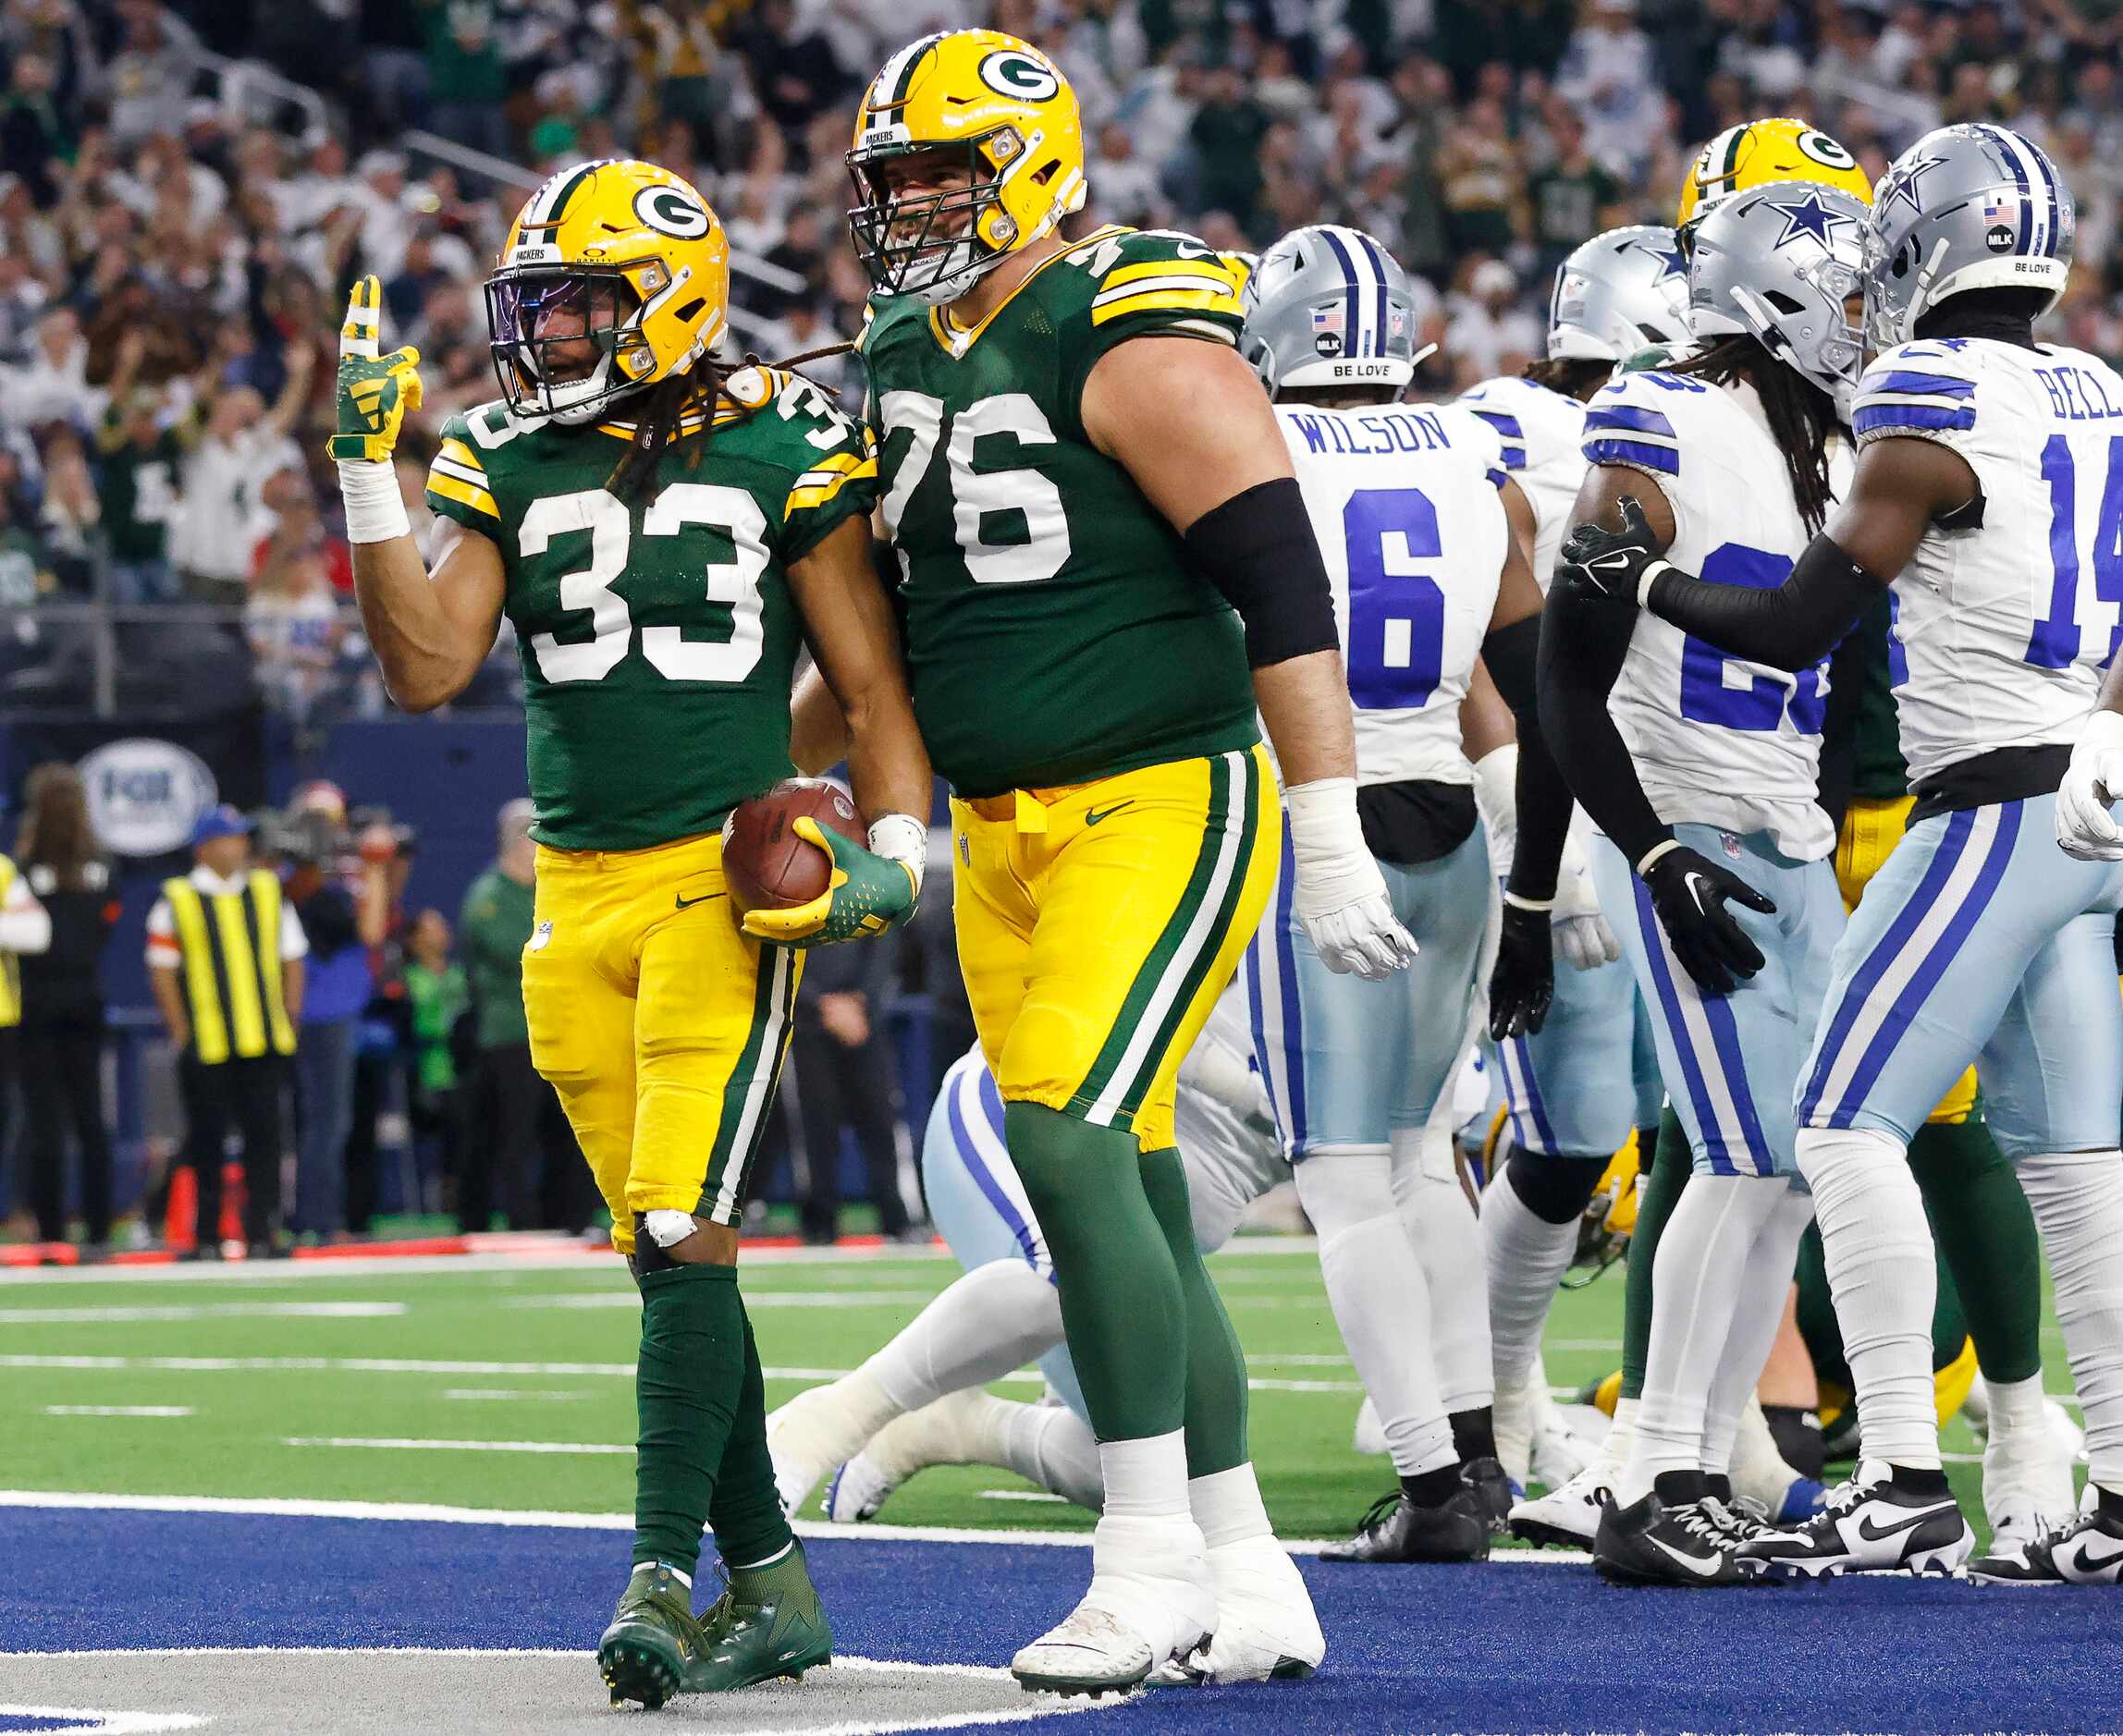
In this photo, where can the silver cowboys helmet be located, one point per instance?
(1617, 293)
(1780, 264)
(1329, 306)
(1970, 207)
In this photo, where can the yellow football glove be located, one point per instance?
(865, 895)
(375, 391)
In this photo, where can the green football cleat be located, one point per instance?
(768, 1623)
(655, 1644)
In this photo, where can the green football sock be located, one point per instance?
(1657, 1194)
(1216, 1366)
(687, 1385)
(1987, 1237)
(1123, 1310)
(745, 1511)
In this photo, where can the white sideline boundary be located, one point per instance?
(249, 1507)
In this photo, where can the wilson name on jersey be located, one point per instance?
(1403, 504)
(1543, 436)
(1054, 632)
(1716, 739)
(657, 634)
(2000, 631)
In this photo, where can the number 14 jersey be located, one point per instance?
(1054, 631)
(1716, 739)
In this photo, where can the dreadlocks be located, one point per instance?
(1573, 376)
(663, 410)
(1800, 414)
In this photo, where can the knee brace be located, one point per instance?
(1556, 1189)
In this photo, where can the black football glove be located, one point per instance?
(1523, 981)
(1608, 565)
(1689, 893)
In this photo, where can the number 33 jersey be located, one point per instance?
(657, 633)
(1404, 502)
(1716, 739)
(2001, 629)
(1054, 631)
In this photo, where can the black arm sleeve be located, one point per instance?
(1792, 626)
(1543, 799)
(1257, 548)
(1582, 647)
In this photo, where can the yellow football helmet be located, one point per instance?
(615, 274)
(977, 98)
(1780, 149)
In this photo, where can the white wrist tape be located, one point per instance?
(1536, 905)
(667, 1228)
(1333, 864)
(376, 510)
(2103, 733)
(1653, 854)
(1644, 584)
(904, 840)
(1496, 800)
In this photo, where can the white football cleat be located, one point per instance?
(1560, 1452)
(1151, 1599)
(1266, 1628)
(1370, 1435)
(945, 1432)
(807, 1439)
(1570, 1515)
(2028, 1489)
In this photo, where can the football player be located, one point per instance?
(1575, 1087)
(1702, 775)
(662, 534)
(1427, 544)
(1984, 497)
(1106, 570)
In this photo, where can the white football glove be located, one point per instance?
(1340, 895)
(2085, 828)
(1582, 935)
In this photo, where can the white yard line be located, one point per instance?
(514, 1395)
(254, 1507)
(412, 1443)
(1025, 1495)
(202, 1311)
(119, 1410)
(754, 1299)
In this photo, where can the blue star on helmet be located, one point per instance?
(1673, 263)
(1904, 186)
(1808, 216)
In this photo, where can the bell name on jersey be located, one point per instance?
(657, 634)
(1054, 631)
(1716, 739)
(2000, 629)
(1403, 504)
(1543, 436)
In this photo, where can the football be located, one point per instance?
(767, 866)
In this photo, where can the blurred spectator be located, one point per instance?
(292, 625)
(25, 927)
(466, 79)
(142, 455)
(1574, 198)
(51, 381)
(63, 860)
(436, 999)
(386, 852)
(1227, 131)
(223, 514)
(794, 72)
(32, 133)
(71, 513)
(1488, 330)
(202, 939)
(844, 1080)
(151, 75)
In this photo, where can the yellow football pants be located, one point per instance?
(659, 1021)
(1871, 830)
(1097, 923)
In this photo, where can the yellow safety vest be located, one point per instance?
(10, 966)
(230, 944)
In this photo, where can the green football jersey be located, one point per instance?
(1054, 633)
(657, 633)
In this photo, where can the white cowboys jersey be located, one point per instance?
(1403, 504)
(1543, 434)
(2001, 632)
(1716, 739)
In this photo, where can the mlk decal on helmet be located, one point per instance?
(1004, 110)
(622, 253)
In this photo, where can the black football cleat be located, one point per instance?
(1397, 1530)
(2086, 1551)
(1492, 1489)
(1869, 1525)
(1676, 1536)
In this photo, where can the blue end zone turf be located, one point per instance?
(1508, 1647)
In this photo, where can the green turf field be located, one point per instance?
(542, 1355)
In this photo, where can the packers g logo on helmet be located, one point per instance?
(615, 275)
(988, 129)
(1780, 147)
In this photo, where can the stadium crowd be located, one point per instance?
(174, 235)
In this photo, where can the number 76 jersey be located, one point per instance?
(1405, 504)
(2002, 626)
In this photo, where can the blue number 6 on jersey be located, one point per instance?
(1397, 615)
